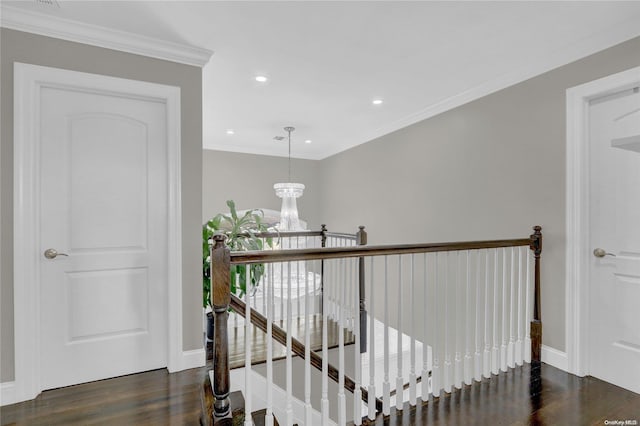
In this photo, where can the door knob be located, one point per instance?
(602, 253)
(53, 253)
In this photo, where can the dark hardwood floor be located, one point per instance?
(159, 398)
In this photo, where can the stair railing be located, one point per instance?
(477, 298)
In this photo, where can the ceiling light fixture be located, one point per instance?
(289, 191)
(377, 101)
(307, 141)
(230, 132)
(261, 79)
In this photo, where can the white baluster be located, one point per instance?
(269, 296)
(478, 329)
(495, 310)
(436, 382)
(357, 394)
(426, 338)
(325, 357)
(289, 361)
(511, 347)
(247, 349)
(503, 347)
(488, 280)
(458, 322)
(342, 405)
(307, 350)
(520, 310)
(447, 325)
(399, 379)
(471, 310)
(412, 330)
(265, 283)
(282, 279)
(386, 386)
(528, 308)
(299, 311)
(372, 345)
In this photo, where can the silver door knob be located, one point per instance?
(602, 253)
(53, 253)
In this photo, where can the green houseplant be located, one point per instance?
(241, 235)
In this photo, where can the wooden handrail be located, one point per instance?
(298, 347)
(272, 256)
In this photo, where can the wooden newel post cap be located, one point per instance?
(219, 238)
(536, 240)
(361, 236)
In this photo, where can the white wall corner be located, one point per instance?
(20, 19)
(7, 393)
(555, 358)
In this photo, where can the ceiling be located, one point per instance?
(326, 61)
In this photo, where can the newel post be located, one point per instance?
(220, 299)
(361, 240)
(536, 324)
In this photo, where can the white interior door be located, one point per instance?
(614, 294)
(103, 203)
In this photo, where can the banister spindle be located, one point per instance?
(220, 299)
(458, 324)
(467, 315)
(372, 349)
(307, 349)
(399, 378)
(503, 346)
(247, 348)
(511, 347)
(486, 356)
(386, 385)
(496, 292)
(424, 394)
(412, 332)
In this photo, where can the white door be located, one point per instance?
(103, 197)
(614, 294)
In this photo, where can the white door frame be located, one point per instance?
(578, 250)
(28, 81)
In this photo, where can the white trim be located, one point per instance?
(20, 19)
(7, 393)
(554, 357)
(577, 205)
(28, 79)
(194, 358)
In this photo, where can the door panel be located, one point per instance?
(614, 294)
(103, 189)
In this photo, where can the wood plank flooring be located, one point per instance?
(159, 398)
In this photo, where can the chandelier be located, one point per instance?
(289, 192)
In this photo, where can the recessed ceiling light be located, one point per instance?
(377, 101)
(307, 141)
(230, 132)
(261, 79)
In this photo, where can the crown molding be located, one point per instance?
(599, 41)
(20, 19)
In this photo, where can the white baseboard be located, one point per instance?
(555, 358)
(7, 393)
(193, 359)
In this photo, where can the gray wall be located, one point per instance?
(488, 169)
(17, 46)
(248, 180)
